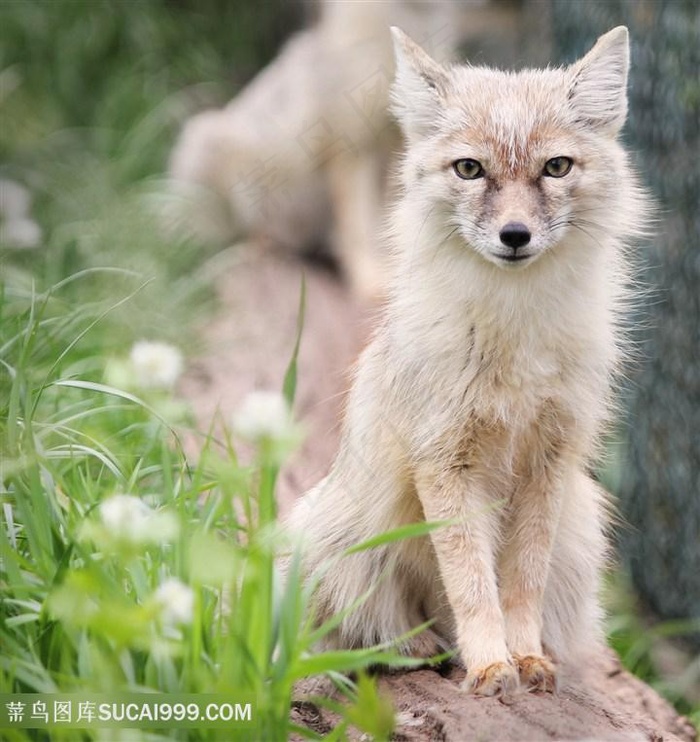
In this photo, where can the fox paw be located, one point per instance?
(536, 672)
(496, 679)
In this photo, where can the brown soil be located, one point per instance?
(248, 346)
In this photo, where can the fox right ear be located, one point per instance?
(419, 85)
(598, 83)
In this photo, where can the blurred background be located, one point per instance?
(94, 94)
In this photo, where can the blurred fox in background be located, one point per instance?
(299, 158)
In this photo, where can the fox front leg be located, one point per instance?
(532, 520)
(466, 558)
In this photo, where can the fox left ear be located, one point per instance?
(598, 82)
(419, 85)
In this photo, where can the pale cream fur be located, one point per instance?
(298, 158)
(483, 394)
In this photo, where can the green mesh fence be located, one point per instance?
(660, 475)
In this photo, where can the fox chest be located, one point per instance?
(499, 391)
(492, 408)
(512, 389)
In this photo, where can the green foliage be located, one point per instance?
(123, 567)
(113, 67)
(638, 641)
(371, 712)
(92, 94)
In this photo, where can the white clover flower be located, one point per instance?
(20, 233)
(17, 228)
(15, 200)
(263, 415)
(156, 365)
(265, 419)
(123, 513)
(128, 519)
(176, 601)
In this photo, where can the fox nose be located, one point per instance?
(515, 235)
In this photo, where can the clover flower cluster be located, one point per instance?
(17, 228)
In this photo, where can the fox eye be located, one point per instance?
(468, 169)
(558, 167)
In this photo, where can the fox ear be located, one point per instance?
(598, 82)
(419, 85)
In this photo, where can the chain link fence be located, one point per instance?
(659, 487)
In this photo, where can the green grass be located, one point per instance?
(91, 97)
(638, 641)
(79, 598)
(635, 636)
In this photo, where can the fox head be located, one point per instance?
(515, 163)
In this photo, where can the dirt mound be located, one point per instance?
(248, 346)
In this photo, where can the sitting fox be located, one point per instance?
(483, 394)
(298, 158)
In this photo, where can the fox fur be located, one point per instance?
(481, 399)
(298, 158)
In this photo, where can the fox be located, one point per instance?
(297, 160)
(479, 403)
